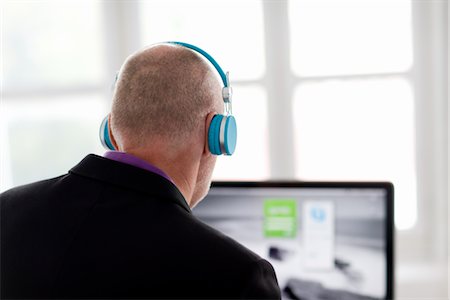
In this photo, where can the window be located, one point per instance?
(352, 101)
(215, 26)
(45, 136)
(348, 87)
(350, 37)
(52, 97)
(51, 44)
(358, 130)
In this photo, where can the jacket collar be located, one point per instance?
(130, 177)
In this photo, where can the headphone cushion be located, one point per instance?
(230, 135)
(104, 134)
(214, 135)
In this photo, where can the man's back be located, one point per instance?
(112, 230)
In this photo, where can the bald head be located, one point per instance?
(163, 92)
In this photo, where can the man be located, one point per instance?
(121, 226)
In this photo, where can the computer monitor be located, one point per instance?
(325, 240)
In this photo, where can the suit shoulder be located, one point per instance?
(262, 283)
(254, 275)
(32, 188)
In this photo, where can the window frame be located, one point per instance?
(281, 82)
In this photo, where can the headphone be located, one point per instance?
(222, 132)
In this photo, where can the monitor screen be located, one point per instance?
(324, 240)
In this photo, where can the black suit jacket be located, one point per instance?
(111, 230)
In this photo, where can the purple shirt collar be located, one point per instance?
(132, 160)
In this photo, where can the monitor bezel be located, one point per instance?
(387, 186)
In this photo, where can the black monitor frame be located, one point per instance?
(387, 186)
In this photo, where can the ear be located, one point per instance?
(111, 136)
(208, 120)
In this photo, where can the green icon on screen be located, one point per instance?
(280, 218)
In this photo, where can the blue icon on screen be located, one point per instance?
(318, 214)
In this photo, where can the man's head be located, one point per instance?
(164, 99)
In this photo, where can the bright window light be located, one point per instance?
(350, 37)
(44, 137)
(215, 26)
(51, 44)
(251, 159)
(359, 130)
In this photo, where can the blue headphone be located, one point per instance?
(222, 132)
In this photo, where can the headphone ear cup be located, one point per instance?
(214, 135)
(230, 135)
(104, 134)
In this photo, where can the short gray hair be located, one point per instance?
(162, 91)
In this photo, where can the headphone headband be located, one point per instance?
(227, 91)
(208, 57)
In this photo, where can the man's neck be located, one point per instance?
(182, 171)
